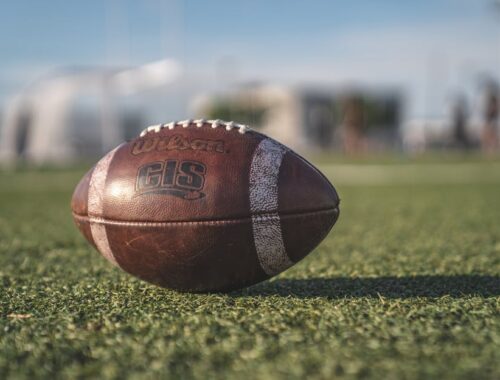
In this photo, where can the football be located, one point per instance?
(204, 205)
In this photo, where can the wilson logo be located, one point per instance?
(183, 179)
(176, 142)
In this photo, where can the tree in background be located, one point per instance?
(460, 116)
(353, 124)
(489, 136)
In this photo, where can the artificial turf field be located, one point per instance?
(406, 286)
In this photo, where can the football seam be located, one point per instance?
(270, 216)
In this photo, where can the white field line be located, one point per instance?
(412, 174)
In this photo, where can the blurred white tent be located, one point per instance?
(74, 115)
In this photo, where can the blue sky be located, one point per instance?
(429, 49)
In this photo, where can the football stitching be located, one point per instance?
(272, 216)
(229, 125)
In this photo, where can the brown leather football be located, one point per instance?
(204, 205)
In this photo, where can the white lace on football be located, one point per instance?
(229, 125)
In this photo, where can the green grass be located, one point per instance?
(406, 286)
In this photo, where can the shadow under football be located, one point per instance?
(387, 286)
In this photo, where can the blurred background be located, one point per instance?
(396, 102)
(343, 77)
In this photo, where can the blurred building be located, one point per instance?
(461, 128)
(446, 133)
(76, 114)
(311, 118)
